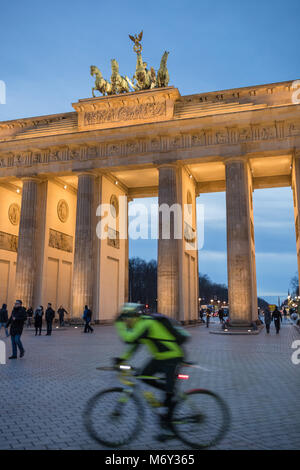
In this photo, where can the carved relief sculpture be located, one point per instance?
(14, 212)
(63, 210)
(60, 241)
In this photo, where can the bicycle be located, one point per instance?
(113, 417)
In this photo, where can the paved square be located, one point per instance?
(43, 394)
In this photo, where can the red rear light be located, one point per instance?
(183, 376)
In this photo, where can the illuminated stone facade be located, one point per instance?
(55, 170)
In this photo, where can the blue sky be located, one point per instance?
(48, 47)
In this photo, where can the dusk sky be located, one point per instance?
(47, 49)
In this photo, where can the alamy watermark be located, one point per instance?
(141, 221)
(2, 92)
(2, 352)
(296, 354)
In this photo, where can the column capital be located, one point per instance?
(33, 178)
(239, 159)
(85, 173)
(173, 165)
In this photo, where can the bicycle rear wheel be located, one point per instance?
(113, 417)
(200, 418)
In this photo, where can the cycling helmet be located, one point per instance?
(131, 310)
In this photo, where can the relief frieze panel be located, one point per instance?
(125, 113)
(203, 137)
(8, 242)
(60, 241)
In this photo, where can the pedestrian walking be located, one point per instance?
(294, 317)
(268, 319)
(208, 315)
(277, 317)
(221, 315)
(201, 314)
(16, 322)
(61, 313)
(29, 314)
(284, 314)
(38, 320)
(87, 316)
(50, 314)
(4, 319)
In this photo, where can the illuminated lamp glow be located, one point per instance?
(183, 376)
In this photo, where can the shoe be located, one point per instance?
(13, 357)
(22, 353)
(165, 421)
(152, 400)
(166, 436)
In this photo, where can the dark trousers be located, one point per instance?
(16, 343)
(87, 327)
(49, 327)
(38, 328)
(169, 368)
(277, 325)
(268, 327)
(207, 322)
(61, 320)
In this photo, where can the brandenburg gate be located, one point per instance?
(56, 170)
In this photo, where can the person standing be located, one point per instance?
(268, 319)
(284, 314)
(29, 313)
(16, 322)
(87, 316)
(50, 314)
(277, 317)
(221, 315)
(4, 318)
(208, 314)
(61, 312)
(38, 320)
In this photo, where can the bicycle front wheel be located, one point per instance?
(113, 417)
(200, 418)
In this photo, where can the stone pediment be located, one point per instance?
(124, 110)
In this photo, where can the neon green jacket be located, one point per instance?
(160, 342)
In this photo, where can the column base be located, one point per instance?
(239, 329)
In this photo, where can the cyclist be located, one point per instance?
(136, 328)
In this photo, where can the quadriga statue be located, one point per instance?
(101, 84)
(163, 78)
(143, 78)
(119, 84)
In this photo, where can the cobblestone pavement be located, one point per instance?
(43, 394)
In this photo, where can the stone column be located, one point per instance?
(84, 262)
(126, 294)
(240, 243)
(296, 197)
(168, 256)
(26, 259)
